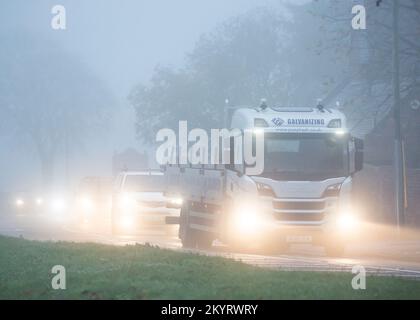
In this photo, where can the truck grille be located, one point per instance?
(299, 205)
(299, 210)
(299, 216)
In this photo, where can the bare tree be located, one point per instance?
(49, 100)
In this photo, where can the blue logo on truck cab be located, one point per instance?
(277, 121)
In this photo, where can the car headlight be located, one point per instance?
(19, 202)
(127, 202)
(86, 203)
(58, 204)
(127, 221)
(39, 201)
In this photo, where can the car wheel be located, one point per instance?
(115, 230)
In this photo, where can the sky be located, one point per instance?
(124, 40)
(121, 41)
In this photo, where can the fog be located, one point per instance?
(120, 43)
(121, 70)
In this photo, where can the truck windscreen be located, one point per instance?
(143, 183)
(305, 156)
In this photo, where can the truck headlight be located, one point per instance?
(347, 220)
(127, 221)
(247, 220)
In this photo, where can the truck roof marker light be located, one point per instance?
(263, 105)
(320, 106)
(340, 132)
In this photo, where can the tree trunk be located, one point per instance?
(47, 170)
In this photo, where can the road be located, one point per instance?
(385, 258)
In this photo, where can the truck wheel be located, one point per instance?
(186, 234)
(204, 240)
(115, 230)
(192, 238)
(189, 240)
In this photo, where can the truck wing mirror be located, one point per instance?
(231, 164)
(358, 154)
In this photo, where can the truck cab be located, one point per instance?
(305, 187)
(303, 193)
(92, 201)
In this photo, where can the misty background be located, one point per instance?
(118, 44)
(122, 70)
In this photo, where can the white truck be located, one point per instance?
(303, 193)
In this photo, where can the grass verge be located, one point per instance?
(95, 271)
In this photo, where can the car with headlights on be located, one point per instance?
(93, 200)
(25, 202)
(140, 205)
(38, 203)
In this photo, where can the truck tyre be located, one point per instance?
(186, 234)
(204, 240)
(189, 240)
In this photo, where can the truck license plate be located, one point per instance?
(299, 239)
